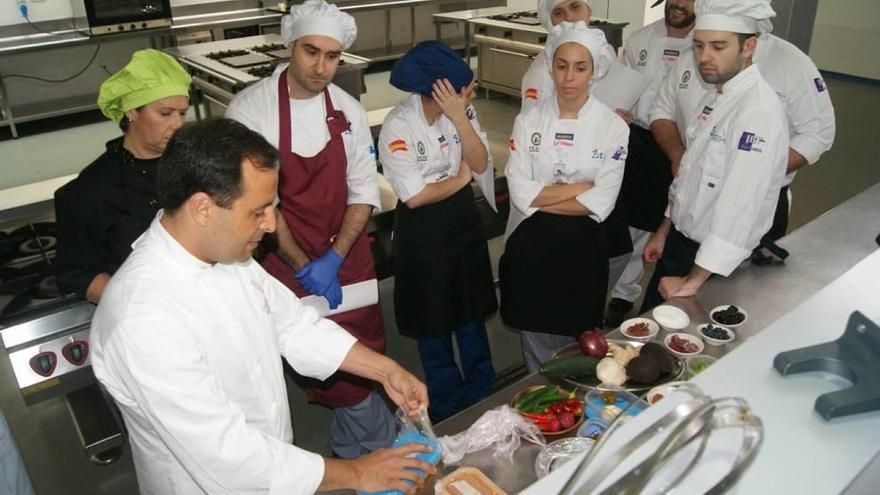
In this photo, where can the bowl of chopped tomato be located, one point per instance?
(640, 329)
(555, 410)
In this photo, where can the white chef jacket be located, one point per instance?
(651, 52)
(257, 107)
(537, 83)
(546, 150)
(790, 72)
(190, 353)
(414, 153)
(728, 184)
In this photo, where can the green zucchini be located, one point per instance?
(575, 367)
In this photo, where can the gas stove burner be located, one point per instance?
(526, 18)
(269, 47)
(37, 245)
(225, 54)
(261, 71)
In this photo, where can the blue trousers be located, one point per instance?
(451, 389)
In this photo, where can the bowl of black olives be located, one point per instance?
(728, 316)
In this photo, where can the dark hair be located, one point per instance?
(206, 157)
(743, 37)
(124, 123)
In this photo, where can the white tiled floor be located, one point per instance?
(45, 433)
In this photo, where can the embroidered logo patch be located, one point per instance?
(535, 141)
(750, 142)
(704, 115)
(443, 142)
(820, 84)
(397, 145)
(643, 58)
(619, 153)
(598, 155)
(420, 147)
(532, 94)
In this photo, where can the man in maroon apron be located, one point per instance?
(326, 196)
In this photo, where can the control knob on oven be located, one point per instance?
(44, 363)
(76, 351)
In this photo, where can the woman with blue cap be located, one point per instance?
(431, 147)
(113, 200)
(564, 173)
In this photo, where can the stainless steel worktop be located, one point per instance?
(820, 251)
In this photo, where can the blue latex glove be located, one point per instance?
(319, 275)
(432, 457)
(334, 294)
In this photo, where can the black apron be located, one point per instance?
(618, 240)
(554, 275)
(646, 179)
(442, 273)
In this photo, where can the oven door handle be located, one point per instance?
(509, 52)
(520, 46)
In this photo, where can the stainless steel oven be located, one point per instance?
(115, 16)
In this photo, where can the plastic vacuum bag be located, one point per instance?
(501, 427)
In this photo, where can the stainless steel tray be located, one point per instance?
(678, 368)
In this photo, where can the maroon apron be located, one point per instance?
(313, 195)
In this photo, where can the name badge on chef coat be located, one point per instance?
(561, 153)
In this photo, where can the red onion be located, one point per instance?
(593, 343)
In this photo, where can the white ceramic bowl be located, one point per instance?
(715, 342)
(723, 307)
(653, 328)
(660, 391)
(686, 336)
(672, 319)
(694, 361)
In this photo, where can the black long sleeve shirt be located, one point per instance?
(100, 213)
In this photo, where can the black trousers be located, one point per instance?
(679, 254)
(780, 218)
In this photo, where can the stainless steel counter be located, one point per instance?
(820, 251)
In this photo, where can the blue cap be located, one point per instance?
(427, 62)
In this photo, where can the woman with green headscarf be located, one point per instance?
(113, 200)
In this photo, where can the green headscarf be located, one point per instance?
(150, 76)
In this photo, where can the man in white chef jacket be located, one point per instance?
(189, 331)
(728, 182)
(328, 188)
(652, 50)
(799, 85)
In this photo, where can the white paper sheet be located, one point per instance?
(354, 296)
(621, 87)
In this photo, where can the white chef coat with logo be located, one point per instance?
(190, 353)
(414, 153)
(257, 107)
(547, 150)
(651, 52)
(728, 184)
(790, 72)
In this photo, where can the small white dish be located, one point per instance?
(697, 364)
(653, 328)
(661, 391)
(713, 341)
(728, 325)
(693, 339)
(672, 319)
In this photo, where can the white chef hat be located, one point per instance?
(735, 16)
(591, 39)
(318, 17)
(545, 7)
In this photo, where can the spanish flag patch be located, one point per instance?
(397, 145)
(511, 144)
(532, 93)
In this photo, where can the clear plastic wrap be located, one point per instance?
(501, 427)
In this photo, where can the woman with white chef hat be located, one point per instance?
(564, 172)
